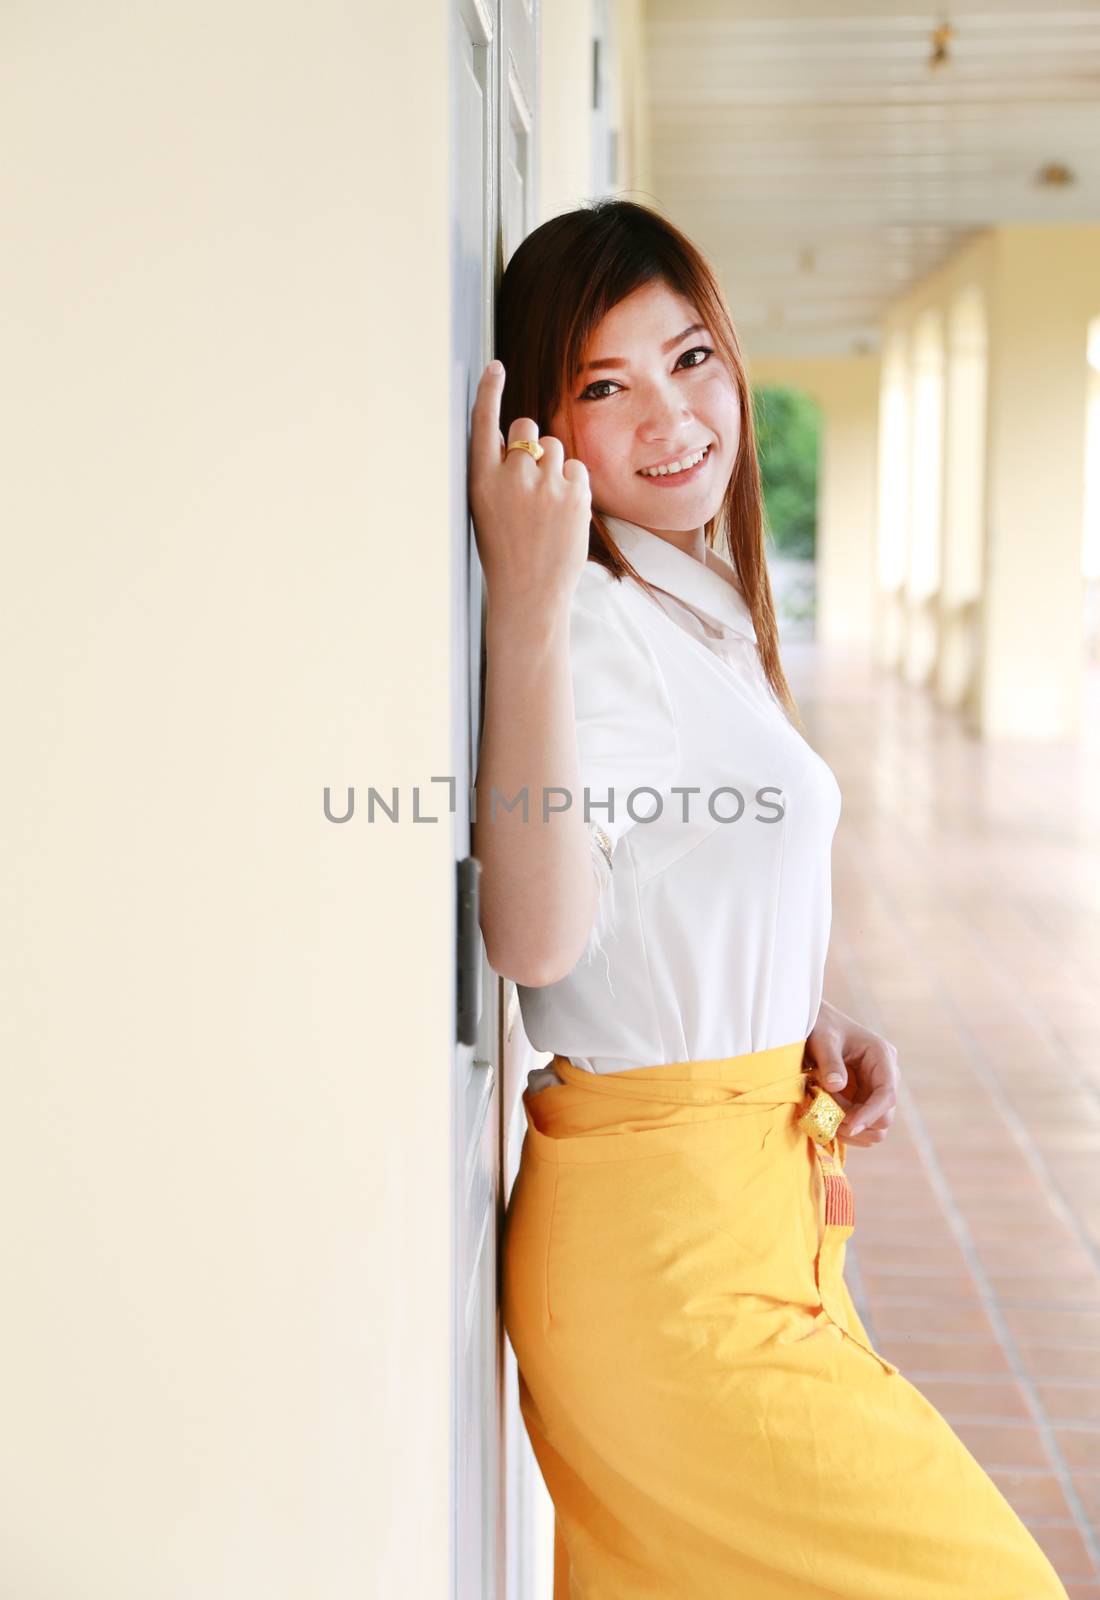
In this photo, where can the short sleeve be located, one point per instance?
(626, 730)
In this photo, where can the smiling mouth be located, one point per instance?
(677, 473)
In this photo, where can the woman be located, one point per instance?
(709, 1415)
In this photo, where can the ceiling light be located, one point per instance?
(941, 37)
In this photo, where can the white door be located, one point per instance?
(492, 128)
(475, 1077)
(526, 1520)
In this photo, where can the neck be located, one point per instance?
(692, 541)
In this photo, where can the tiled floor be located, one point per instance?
(966, 929)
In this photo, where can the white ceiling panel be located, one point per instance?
(825, 166)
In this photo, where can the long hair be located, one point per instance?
(560, 283)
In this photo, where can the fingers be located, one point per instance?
(575, 472)
(869, 1122)
(488, 447)
(553, 451)
(878, 1107)
(871, 1118)
(486, 438)
(523, 428)
(865, 1140)
(855, 1129)
(834, 1076)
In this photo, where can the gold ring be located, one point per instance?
(532, 446)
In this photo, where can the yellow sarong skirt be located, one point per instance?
(709, 1415)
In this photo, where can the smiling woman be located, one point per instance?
(625, 271)
(709, 1414)
(699, 417)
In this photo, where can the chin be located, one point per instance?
(669, 510)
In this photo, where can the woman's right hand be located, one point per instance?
(531, 518)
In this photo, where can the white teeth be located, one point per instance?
(677, 466)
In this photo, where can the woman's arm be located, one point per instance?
(531, 519)
(538, 889)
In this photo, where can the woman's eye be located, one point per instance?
(600, 383)
(703, 350)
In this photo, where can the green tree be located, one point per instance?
(788, 430)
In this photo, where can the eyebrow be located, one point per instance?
(617, 361)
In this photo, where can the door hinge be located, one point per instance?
(468, 976)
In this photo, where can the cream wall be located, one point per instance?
(225, 1238)
(565, 106)
(1038, 285)
(929, 634)
(1045, 288)
(631, 78)
(565, 96)
(846, 389)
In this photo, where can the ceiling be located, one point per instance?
(824, 167)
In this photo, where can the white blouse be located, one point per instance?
(714, 916)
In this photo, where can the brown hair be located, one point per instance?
(558, 286)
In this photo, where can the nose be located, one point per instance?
(664, 415)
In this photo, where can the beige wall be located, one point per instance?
(629, 69)
(565, 94)
(1039, 285)
(225, 1244)
(565, 101)
(846, 389)
(1045, 288)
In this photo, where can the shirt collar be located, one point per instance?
(709, 587)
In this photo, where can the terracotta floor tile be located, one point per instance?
(1007, 1445)
(1087, 1485)
(996, 1167)
(1035, 1493)
(911, 1221)
(1080, 1448)
(883, 1235)
(1066, 1549)
(894, 1279)
(956, 1398)
(911, 1314)
(999, 1221)
(1038, 1257)
(968, 1183)
(1055, 1327)
(930, 1256)
(918, 1358)
(1071, 1402)
(1063, 1292)
(1058, 1361)
(1029, 1223)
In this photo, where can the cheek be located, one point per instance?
(724, 402)
(599, 446)
(735, 424)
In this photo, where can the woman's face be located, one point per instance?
(652, 394)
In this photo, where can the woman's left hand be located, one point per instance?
(844, 1055)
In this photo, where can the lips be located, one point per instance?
(683, 476)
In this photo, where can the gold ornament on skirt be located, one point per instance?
(823, 1116)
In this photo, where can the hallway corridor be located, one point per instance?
(966, 929)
